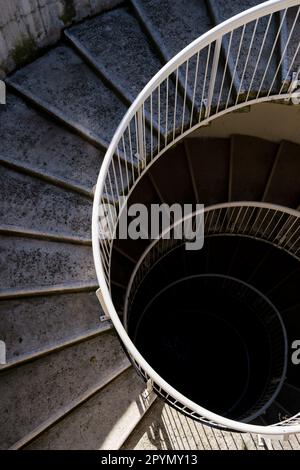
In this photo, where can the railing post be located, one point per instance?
(213, 76)
(140, 131)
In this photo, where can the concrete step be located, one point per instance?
(35, 206)
(29, 264)
(37, 325)
(250, 166)
(168, 168)
(211, 174)
(283, 186)
(104, 421)
(63, 85)
(37, 391)
(31, 140)
(176, 25)
(109, 43)
(115, 44)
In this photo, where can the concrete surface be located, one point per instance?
(28, 25)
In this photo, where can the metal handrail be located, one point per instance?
(136, 144)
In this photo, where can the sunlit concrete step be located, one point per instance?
(37, 391)
(103, 421)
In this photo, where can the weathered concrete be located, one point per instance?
(32, 204)
(39, 323)
(27, 263)
(29, 139)
(118, 46)
(103, 422)
(32, 393)
(65, 85)
(28, 25)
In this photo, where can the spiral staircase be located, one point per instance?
(67, 382)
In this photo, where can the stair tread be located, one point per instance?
(65, 85)
(251, 163)
(32, 325)
(33, 204)
(27, 263)
(210, 165)
(117, 45)
(53, 382)
(30, 139)
(284, 186)
(174, 163)
(176, 25)
(106, 419)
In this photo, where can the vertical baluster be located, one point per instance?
(175, 105)
(194, 89)
(151, 126)
(130, 150)
(214, 70)
(158, 130)
(224, 72)
(185, 92)
(167, 110)
(204, 83)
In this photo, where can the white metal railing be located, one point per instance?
(193, 88)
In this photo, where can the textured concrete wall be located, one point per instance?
(28, 25)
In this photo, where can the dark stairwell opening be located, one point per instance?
(215, 338)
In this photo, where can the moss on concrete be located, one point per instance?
(69, 12)
(24, 51)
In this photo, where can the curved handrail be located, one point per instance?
(136, 124)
